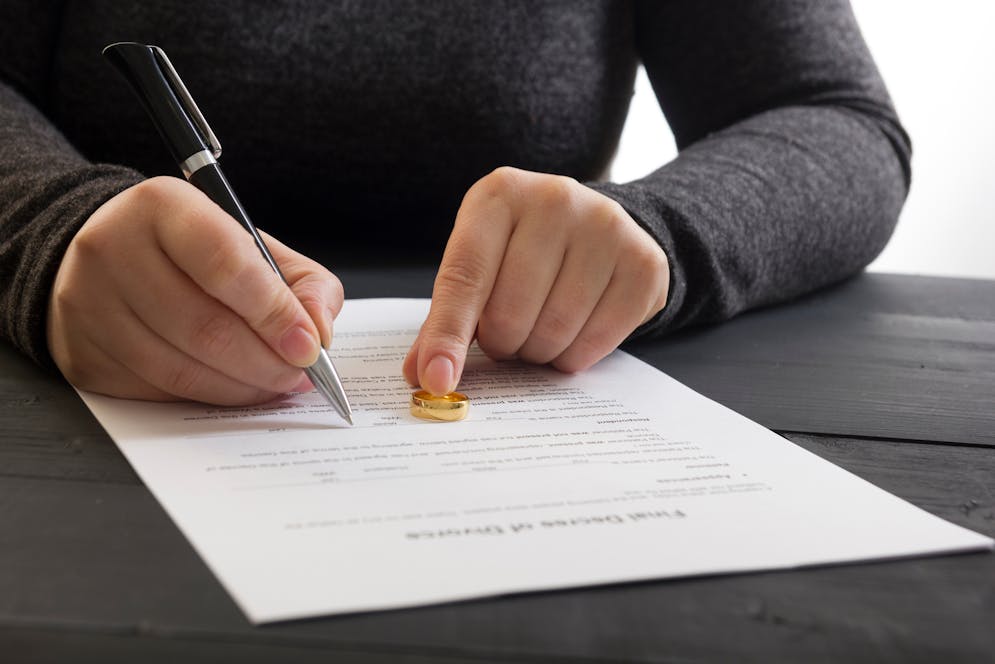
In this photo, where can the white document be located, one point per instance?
(616, 474)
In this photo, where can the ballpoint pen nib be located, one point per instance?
(326, 380)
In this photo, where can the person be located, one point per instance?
(363, 126)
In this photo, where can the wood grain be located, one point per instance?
(910, 358)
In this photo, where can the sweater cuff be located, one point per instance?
(642, 209)
(72, 198)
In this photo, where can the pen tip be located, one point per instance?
(348, 418)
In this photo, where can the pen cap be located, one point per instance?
(142, 69)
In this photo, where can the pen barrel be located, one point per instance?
(210, 180)
(139, 66)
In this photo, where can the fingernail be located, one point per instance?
(299, 347)
(440, 376)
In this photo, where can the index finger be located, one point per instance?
(220, 257)
(313, 284)
(463, 284)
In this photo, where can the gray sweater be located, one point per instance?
(359, 119)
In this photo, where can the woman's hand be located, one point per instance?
(541, 268)
(163, 296)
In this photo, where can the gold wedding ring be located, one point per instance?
(450, 407)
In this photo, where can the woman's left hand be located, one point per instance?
(541, 268)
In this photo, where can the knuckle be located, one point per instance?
(498, 334)
(656, 290)
(649, 265)
(336, 291)
(145, 194)
(319, 291)
(310, 297)
(447, 340)
(661, 265)
(154, 191)
(463, 272)
(498, 182)
(139, 205)
(500, 315)
(184, 379)
(609, 225)
(583, 353)
(555, 192)
(568, 363)
(94, 240)
(502, 186)
(155, 195)
(534, 354)
(280, 315)
(214, 335)
(610, 213)
(223, 268)
(67, 297)
(553, 327)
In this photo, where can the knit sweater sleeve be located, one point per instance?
(792, 165)
(47, 189)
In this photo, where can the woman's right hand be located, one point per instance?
(163, 296)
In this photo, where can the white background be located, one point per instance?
(938, 61)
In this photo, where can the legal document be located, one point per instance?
(619, 473)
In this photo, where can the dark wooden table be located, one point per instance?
(891, 377)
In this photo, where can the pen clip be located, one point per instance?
(187, 101)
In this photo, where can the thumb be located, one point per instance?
(317, 289)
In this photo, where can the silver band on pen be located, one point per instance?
(197, 161)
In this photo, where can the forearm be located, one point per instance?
(769, 208)
(793, 166)
(47, 191)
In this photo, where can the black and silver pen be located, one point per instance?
(196, 150)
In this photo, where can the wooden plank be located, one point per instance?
(881, 356)
(89, 556)
(46, 431)
(57, 646)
